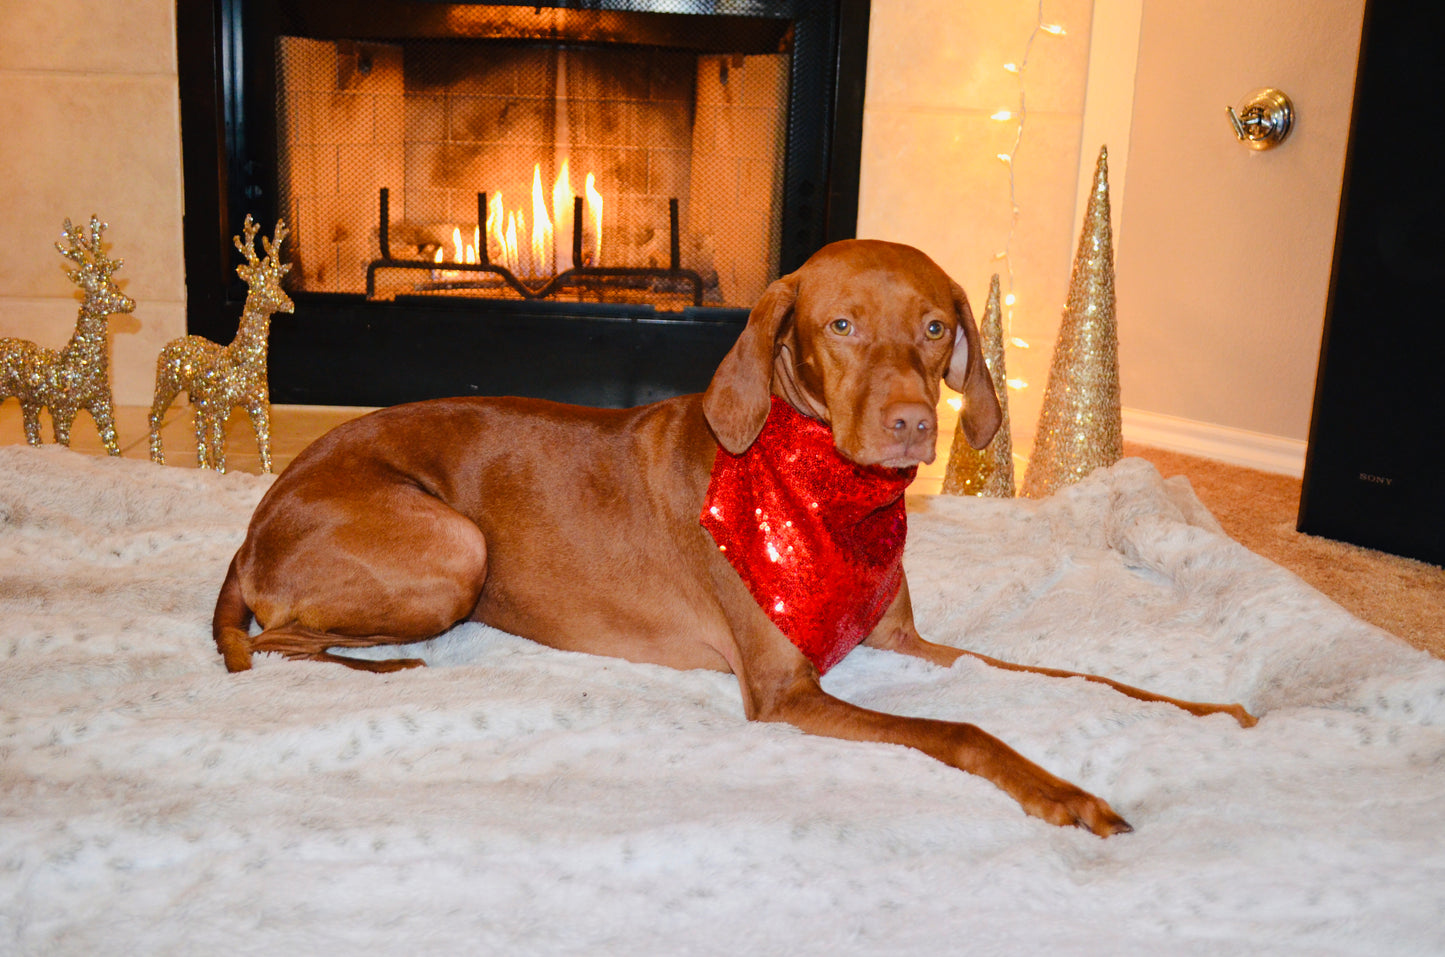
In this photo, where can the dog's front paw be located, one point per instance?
(1081, 809)
(1094, 814)
(1055, 800)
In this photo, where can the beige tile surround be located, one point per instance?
(88, 90)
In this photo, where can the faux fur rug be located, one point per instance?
(517, 800)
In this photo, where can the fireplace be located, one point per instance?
(576, 201)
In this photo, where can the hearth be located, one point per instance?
(575, 201)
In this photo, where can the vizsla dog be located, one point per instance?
(685, 533)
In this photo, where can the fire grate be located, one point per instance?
(578, 275)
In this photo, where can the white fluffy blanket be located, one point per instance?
(517, 800)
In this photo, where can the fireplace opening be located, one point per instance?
(579, 204)
(499, 169)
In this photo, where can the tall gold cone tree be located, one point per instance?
(1081, 427)
(990, 470)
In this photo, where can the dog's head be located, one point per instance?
(860, 338)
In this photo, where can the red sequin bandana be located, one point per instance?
(817, 539)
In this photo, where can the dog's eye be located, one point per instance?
(841, 327)
(935, 330)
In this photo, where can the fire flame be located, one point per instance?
(550, 250)
(541, 228)
(594, 212)
(562, 217)
(509, 244)
(460, 253)
(496, 220)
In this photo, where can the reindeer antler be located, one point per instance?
(273, 245)
(89, 254)
(258, 269)
(248, 249)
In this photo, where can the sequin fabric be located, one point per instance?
(817, 539)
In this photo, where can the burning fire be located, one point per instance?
(594, 213)
(550, 250)
(462, 254)
(562, 216)
(541, 226)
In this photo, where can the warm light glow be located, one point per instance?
(594, 215)
(955, 403)
(496, 228)
(541, 227)
(460, 254)
(547, 249)
(1018, 68)
(440, 256)
(503, 228)
(509, 244)
(562, 217)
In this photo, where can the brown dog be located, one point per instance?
(580, 528)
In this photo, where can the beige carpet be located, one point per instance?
(1258, 510)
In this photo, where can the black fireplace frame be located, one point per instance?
(343, 349)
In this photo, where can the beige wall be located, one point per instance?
(930, 174)
(1225, 253)
(89, 94)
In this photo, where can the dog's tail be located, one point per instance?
(231, 624)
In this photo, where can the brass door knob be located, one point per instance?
(1264, 119)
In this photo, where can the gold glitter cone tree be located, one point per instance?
(1081, 427)
(990, 470)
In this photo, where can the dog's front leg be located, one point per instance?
(1044, 795)
(779, 684)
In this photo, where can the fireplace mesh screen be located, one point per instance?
(644, 137)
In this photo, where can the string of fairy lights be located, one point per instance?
(1019, 69)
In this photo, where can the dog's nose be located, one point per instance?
(910, 422)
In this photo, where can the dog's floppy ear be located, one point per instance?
(968, 375)
(737, 400)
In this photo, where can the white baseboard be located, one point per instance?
(1255, 450)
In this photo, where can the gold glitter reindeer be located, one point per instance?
(78, 376)
(220, 378)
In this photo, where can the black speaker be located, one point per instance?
(1375, 470)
